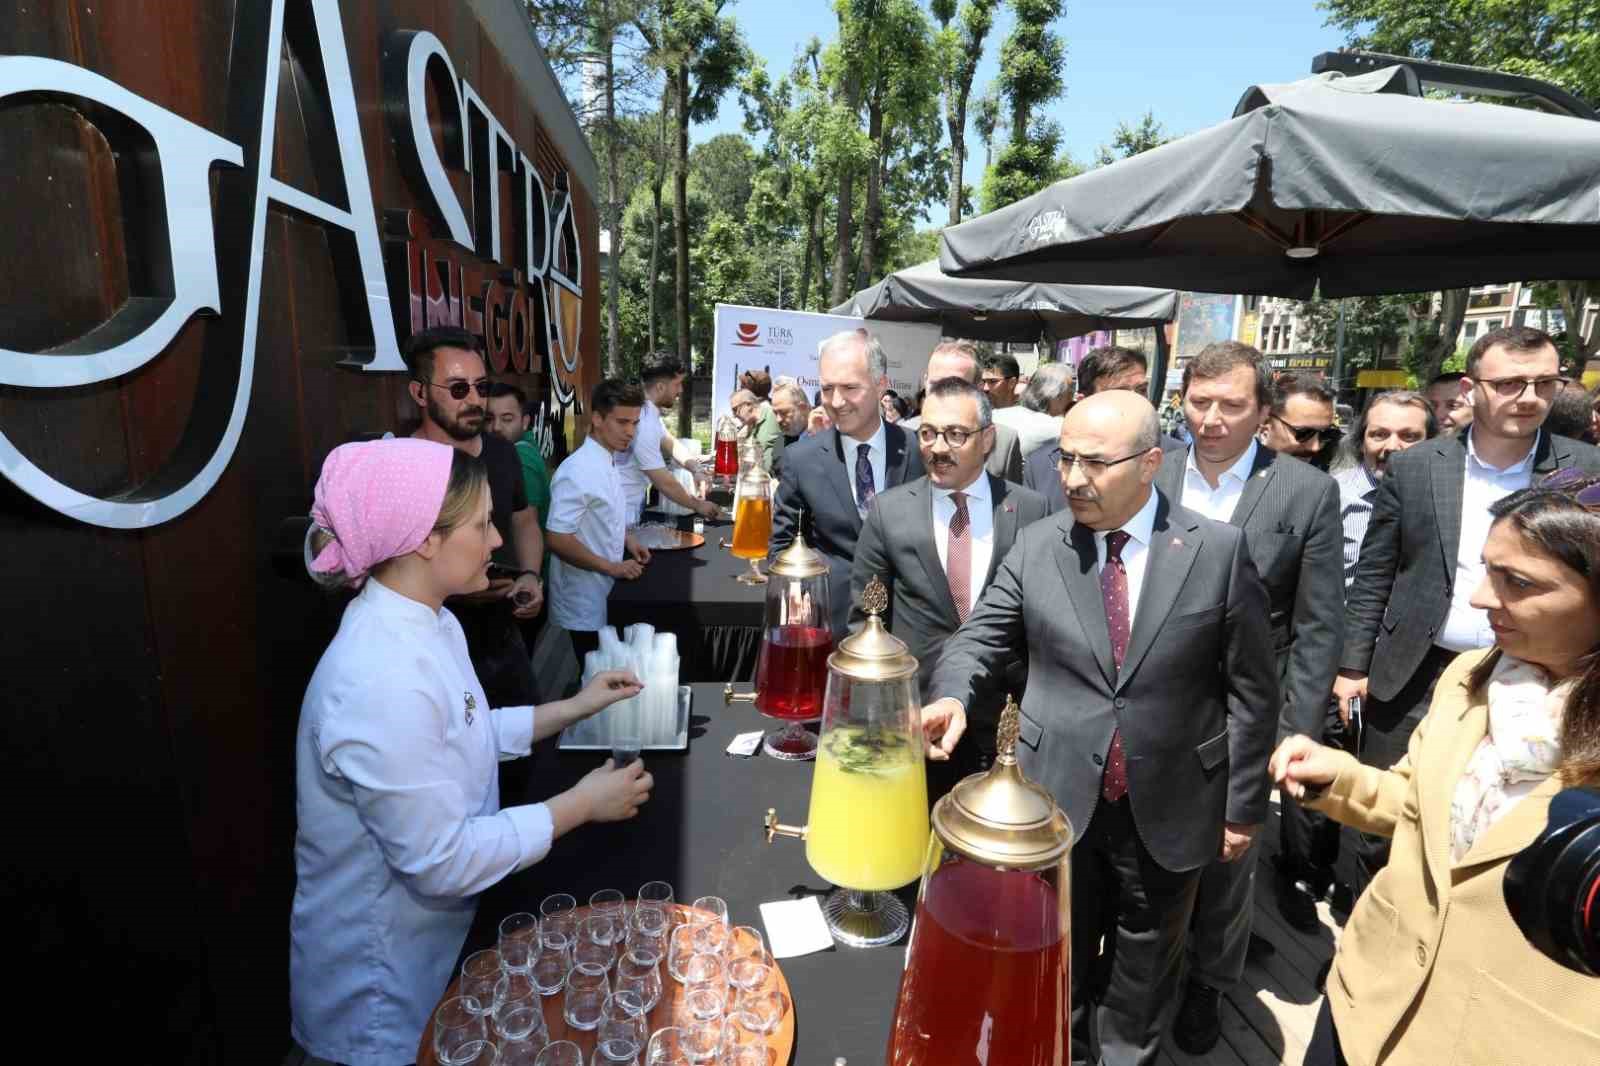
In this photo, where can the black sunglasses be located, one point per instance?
(1306, 434)
(460, 390)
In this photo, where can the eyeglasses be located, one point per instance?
(459, 390)
(1306, 434)
(1513, 388)
(955, 436)
(1092, 468)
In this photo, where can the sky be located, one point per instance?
(1187, 62)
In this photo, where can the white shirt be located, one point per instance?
(1466, 627)
(1217, 503)
(877, 456)
(1034, 429)
(587, 500)
(980, 516)
(1135, 554)
(646, 455)
(398, 801)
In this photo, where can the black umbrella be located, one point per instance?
(1343, 182)
(978, 309)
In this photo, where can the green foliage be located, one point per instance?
(1374, 326)
(1031, 61)
(726, 167)
(1024, 167)
(1129, 141)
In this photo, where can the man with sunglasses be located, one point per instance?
(1289, 513)
(450, 386)
(1409, 611)
(1300, 422)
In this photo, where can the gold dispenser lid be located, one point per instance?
(872, 653)
(799, 559)
(1001, 818)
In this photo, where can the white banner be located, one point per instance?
(784, 344)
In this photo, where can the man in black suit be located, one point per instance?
(1408, 610)
(935, 543)
(1289, 513)
(829, 481)
(959, 359)
(1102, 369)
(1149, 709)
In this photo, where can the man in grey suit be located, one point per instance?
(1149, 709)
(935, 543)
(829, 481)
(1289, 513)
(959, 359)
(1408, 610)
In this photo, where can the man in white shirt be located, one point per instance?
(654, 448)
(588, 528)
(935, 543)
(1036, 418)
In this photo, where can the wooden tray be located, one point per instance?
(780, 1042)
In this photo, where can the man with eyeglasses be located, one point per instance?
(1148, 710)
(450, 386)
(1289, 514)
(935, 543)
(1409, 608)
(1300, 422)
(1000, 373)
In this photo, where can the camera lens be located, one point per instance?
(1553, 887)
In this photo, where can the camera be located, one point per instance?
(1552, 887)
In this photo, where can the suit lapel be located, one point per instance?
(1255, 486)
(1169, 479)
(927, 551)
(1079, 562)
(839, 478)
(894, 456)
(1449, 477)
(1173, 545)
(1004, 526)
(1546, 458)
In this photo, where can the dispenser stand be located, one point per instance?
(865, 919)
(792, 743)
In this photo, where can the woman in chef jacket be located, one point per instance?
(397, 789)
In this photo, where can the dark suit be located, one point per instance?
(897, 545)
(815, 496)
(1397, 605)
(1197, 704)
(1290, 514)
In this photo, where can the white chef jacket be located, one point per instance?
(398, 800)
(586, 499)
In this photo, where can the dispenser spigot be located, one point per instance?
(776, 828)
(730, 697)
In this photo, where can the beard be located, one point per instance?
(463, 425)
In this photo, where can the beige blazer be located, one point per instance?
(1431, 969)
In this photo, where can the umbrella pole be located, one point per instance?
(1158, 371)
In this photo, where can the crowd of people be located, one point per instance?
(1407, 610)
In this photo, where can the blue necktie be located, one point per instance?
(864, 490)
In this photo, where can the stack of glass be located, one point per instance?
(652, 716)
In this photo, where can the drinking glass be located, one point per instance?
(641, 977)
(523, 1052)
(518, 1012)
(700, 1005)
(622, 1031)
(625, 747)
(587, 989)
(715, 906)
(479, 974)
(759, 1008)
(648, 930)
(667, 1048)
(745, 942)
(746, 974)
(557, 914)
(610, 903)
(680, 949)
(705, 971)
(743, 1055)
(457, 1025)
(702, 1039)
(519, 933)
(551, 962)
(658, 892)
(561, 1053)
(596, 942)
(711, 938)
(478, 1053)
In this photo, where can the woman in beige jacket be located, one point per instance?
(1431, 969)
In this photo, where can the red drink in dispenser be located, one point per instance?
(727, 461)
(792, 671)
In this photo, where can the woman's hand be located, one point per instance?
(1302, 767)
(606, 688)
(613, 795)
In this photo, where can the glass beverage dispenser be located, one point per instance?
(792, 671)
(726, 462)
(868, 827)
(752, 522)
(993, 909)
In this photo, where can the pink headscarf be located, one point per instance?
(379, 499)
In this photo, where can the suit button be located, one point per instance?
(1119, 703)
(1422, 955)
(1098, 760)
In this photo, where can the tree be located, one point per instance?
(986, 120)
(1031, 61)
(1373, 326)
(1129, 141)
(959, 47)
(726, 167)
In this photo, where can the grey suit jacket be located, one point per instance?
(897, 545)
(1005, 460)
(1290, 514)
(814, 495)
(1196, 700)
(1398, 602)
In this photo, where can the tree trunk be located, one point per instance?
(822, 252)
(843, 233)
(813, 220)
(657, 179)
(680, 211)
(1438, 342)
(613, 206)
(958, 152)
(1575, 297)
(870, 225)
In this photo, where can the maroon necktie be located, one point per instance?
(1114, 591)
(958, 556)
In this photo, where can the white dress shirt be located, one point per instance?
(1466, 627)
(1135, 554)
(586, 500)
(398, 801)
(1217, 503)
(980, 515)
(645, 456)
(877, 456)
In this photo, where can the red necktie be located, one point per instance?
(958, 556)
(1114, 591)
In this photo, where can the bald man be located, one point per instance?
(1149, 709)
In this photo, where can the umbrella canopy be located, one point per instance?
(1344, 181)
(978, 309)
